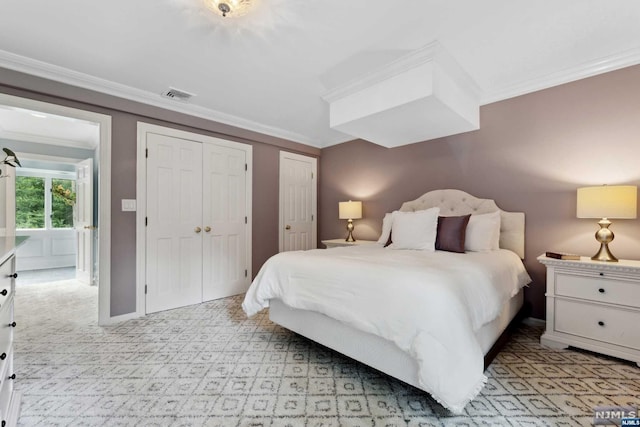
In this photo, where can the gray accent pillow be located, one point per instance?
(451, 233)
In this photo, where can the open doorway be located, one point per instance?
(55, 143)
(54, 209)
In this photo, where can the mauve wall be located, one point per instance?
(125, 115)
(530, 154)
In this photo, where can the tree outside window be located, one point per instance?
(44, 202)
(29, 202)
(64, 197)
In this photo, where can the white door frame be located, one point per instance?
(314, 198)
(141, 197)
(104, 192)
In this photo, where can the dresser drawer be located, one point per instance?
(607, 324)
(6, 281)
(6, 331)
(6, 388)
(603, 289)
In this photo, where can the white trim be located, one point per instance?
(314, 198)
(432, 52)
(46, 173)
(42, 139)
(141, 197)
(588, 69)
(64, 75)
(10, 202)
(104, 189)
(47, 158)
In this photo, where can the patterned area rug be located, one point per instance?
(208, 365)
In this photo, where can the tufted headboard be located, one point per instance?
(456, 202)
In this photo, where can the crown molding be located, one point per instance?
(430, 52)
(602, 65)
(41, 139)
(64, 75)
(399, 66)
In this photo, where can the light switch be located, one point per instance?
(128, 205)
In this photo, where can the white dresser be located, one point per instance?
(593, 305)
(335, 243)
(9, 400)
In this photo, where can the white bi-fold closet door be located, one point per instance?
(197, 214)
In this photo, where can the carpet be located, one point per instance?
(208, 365)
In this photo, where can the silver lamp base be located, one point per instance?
(350, 229)
(604, 236)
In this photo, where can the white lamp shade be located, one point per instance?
(350, 210)
(607, 201)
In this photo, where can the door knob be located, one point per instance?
(288, 227)
(207, 229)
(198, 229)
(90, 227)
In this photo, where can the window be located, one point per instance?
(62, 203)
(44, 200)
(29, 202)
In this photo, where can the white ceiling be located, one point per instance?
(268, 71)
(44, 128)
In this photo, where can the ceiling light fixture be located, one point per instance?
(233, 8)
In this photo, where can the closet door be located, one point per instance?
(224, 217)
(174, 228)
(297, 202)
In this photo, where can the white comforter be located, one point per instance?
(428, 303)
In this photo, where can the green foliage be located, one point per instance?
(29, 202)
(62, 203)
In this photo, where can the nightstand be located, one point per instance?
(593, 305)
(334, 243)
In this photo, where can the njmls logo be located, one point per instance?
(613, 415)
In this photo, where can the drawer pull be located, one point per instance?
(602, 274)
(3, 292)
(601, 290)
(3, 356)
(601, 323)
(14, 275)
(12, 377)
(12, 324)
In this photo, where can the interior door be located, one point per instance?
(83, 223)
(225, 219)
(297, 202)
(174, 222)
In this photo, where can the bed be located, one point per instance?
(403, 312)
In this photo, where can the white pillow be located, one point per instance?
(415, 230)
(386, 228)
(483, 233)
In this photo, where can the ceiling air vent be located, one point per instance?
(177, 94)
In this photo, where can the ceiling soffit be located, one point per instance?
(423, 95)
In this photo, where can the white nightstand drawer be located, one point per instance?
(602, 289)
(598, 322)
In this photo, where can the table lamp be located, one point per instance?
(350, 211)
(606, 201)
